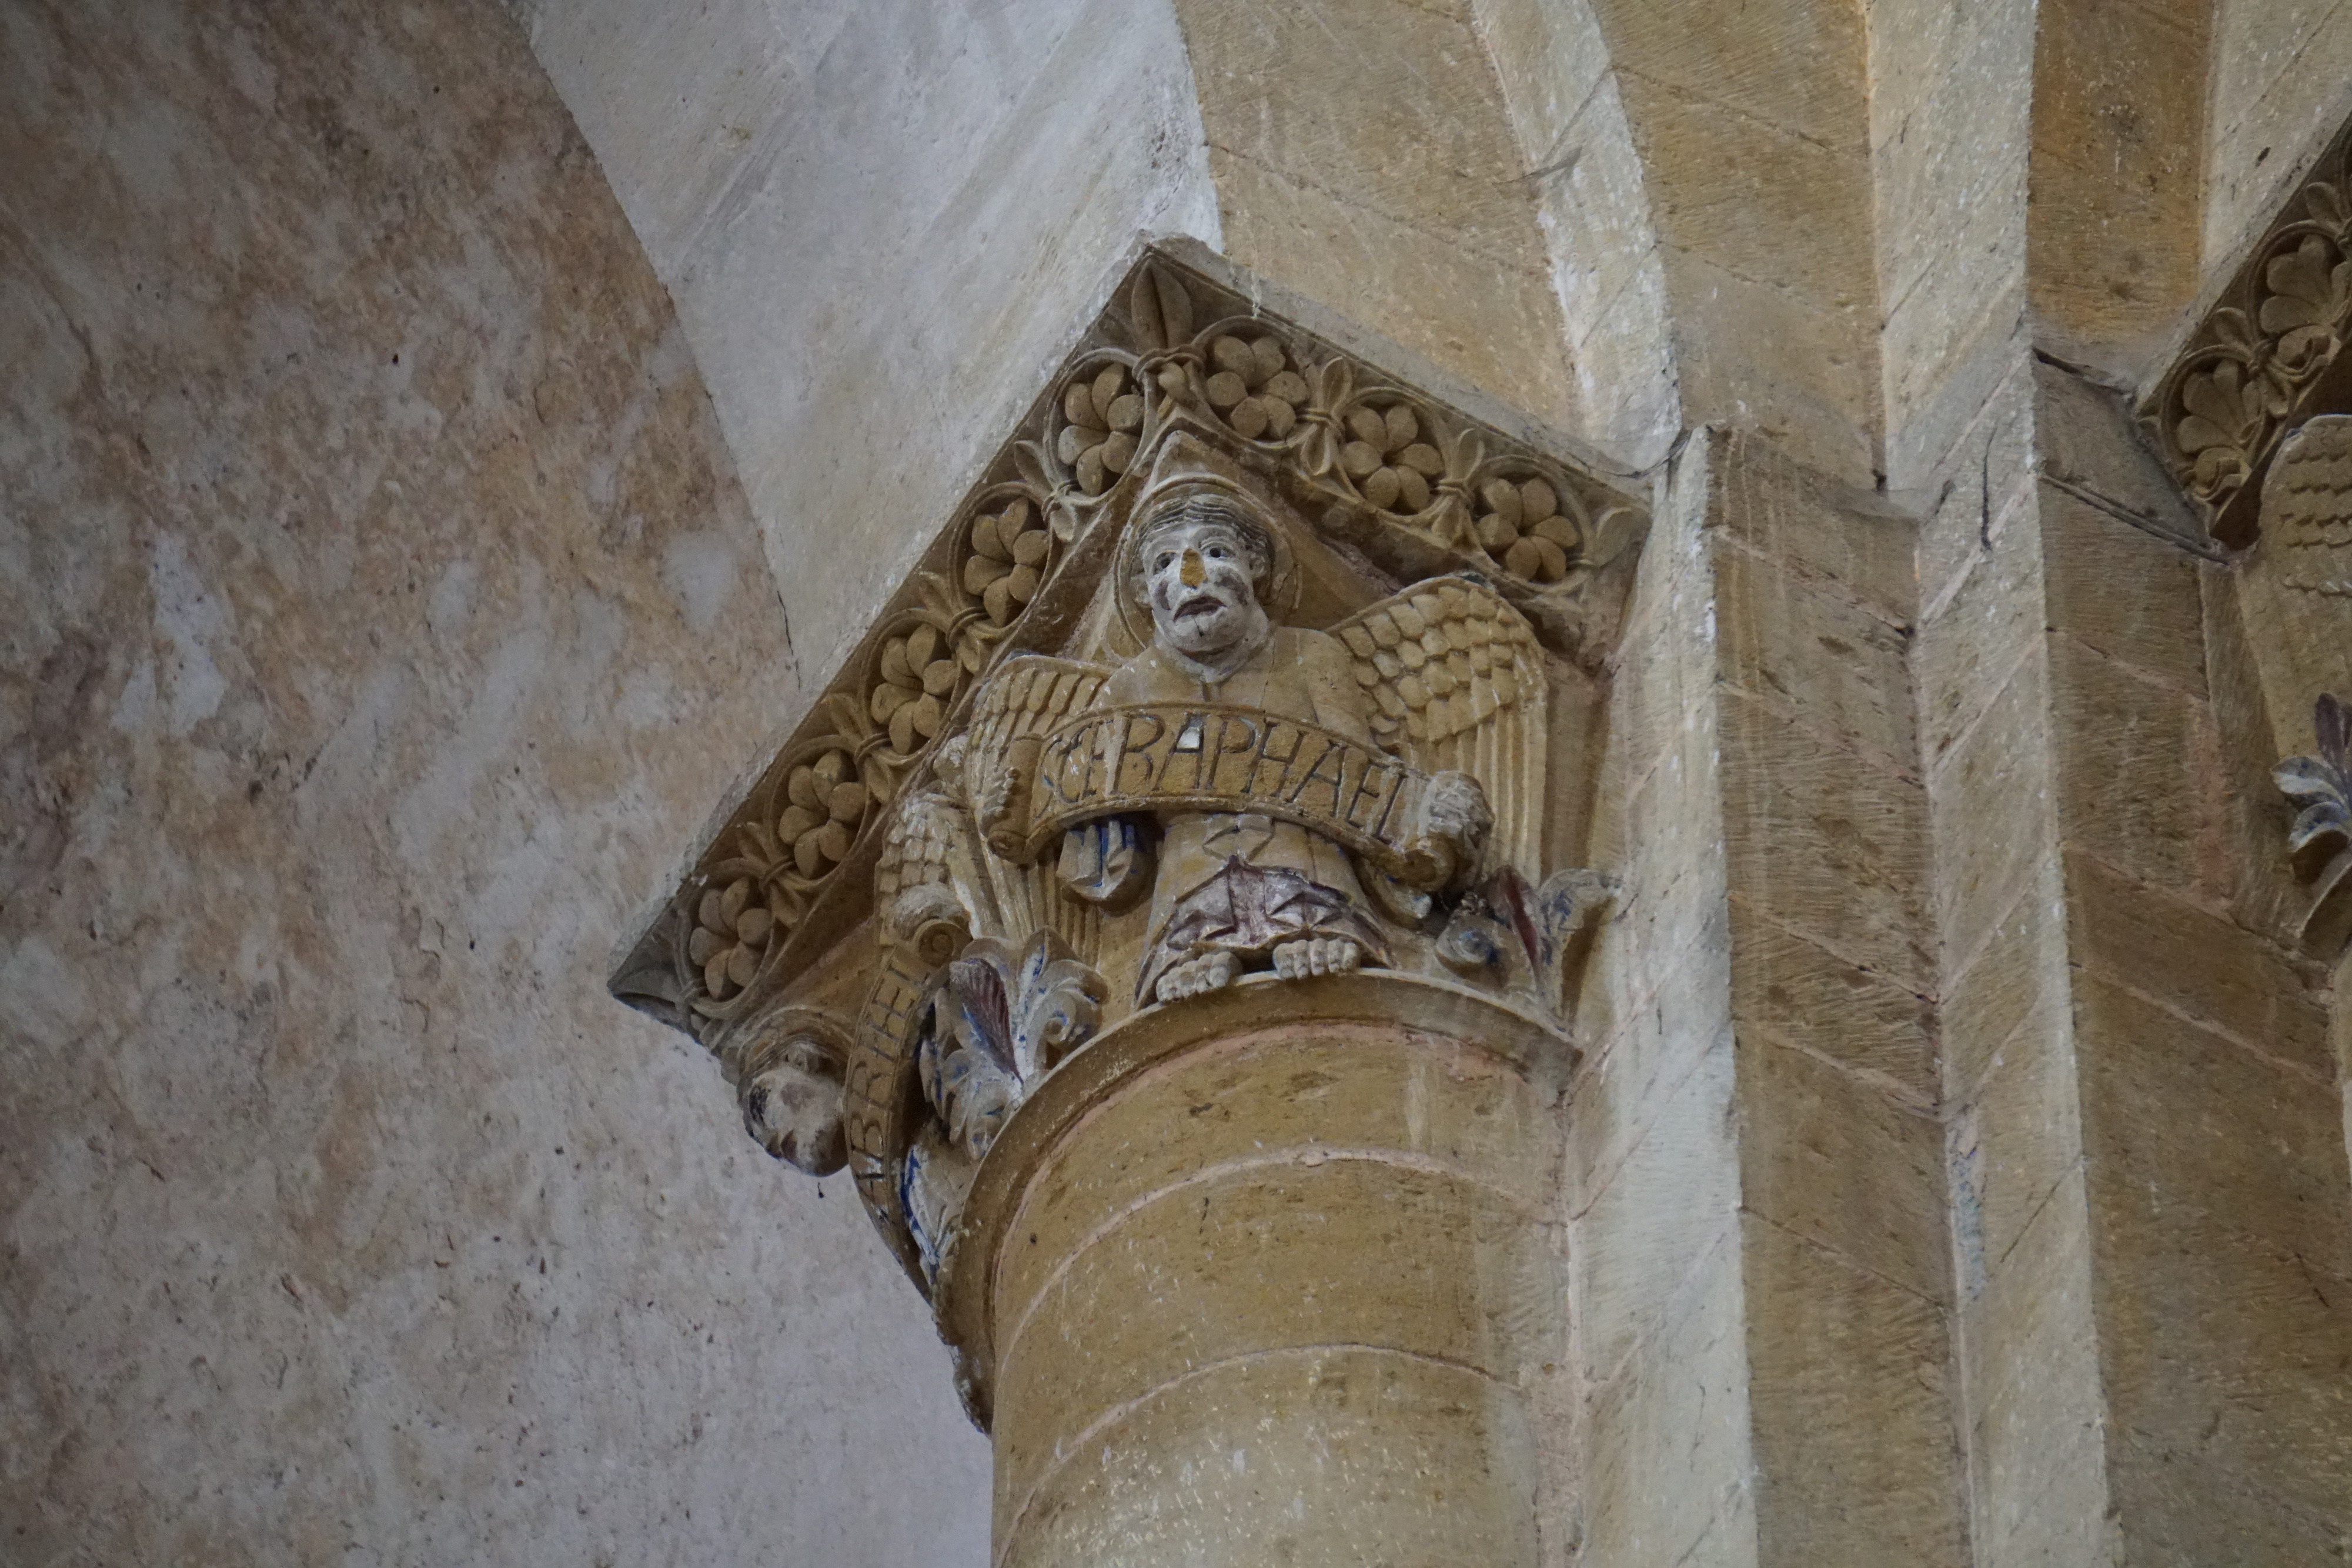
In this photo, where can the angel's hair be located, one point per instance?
(1209, 507)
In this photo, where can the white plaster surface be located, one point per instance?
(379, 613)
(880, 223)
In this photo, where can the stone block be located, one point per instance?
(1794, 66)
(1830, 1158)
(1423, 1449)
(1802, 992)
(1430, 1100)
(1951, 182)
(2222, 1353)
(1916, 45)
(1839, 671)
(1947, 347)
(1769, 204)
(2029, 1360)
(2063, 1522)
(2177, 1118)
(2092, 444)
(1851, 1394)
(2136, 765)
(2196, 963)
(1550, 58)
(2018, 1135)
(1668, 1451)
(2017, 972)
(1994, 822)
(1597, 204)
(1830, 846)
(1630, 1076)
(1801, 370)
(1977, 641)
(2278, 94)
(1423, 141)
(1664, 685)
(1649, 1219)
(1973, 493)
(2173, 1512)
(2119, 104)
(2123, 592)
(1673, 861)
(1254, 1260)
(1461, 308)
(1820, 528)
(1626, 381)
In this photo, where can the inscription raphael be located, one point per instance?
(1249, 745)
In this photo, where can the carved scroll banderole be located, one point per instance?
(1179, 757)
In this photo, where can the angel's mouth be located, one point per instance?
(1199, 605)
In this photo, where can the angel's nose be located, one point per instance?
(1193, 571)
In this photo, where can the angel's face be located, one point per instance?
(1197, 577)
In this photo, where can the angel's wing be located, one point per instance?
(1459, 682)
(1022, 702)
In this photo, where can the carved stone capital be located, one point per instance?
(1227, 724)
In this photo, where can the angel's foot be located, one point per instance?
(1210, 972)
(1318, 955)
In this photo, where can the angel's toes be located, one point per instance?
(1338, 956)
(1216, 971)
(1291, 960)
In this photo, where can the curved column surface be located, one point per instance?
(1265, 1286)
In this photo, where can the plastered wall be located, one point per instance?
(379, 610)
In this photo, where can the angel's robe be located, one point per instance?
(1243, 882)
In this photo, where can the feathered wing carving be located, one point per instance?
(1011, 716)
(1457, 682)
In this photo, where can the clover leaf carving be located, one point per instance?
(919, 673)
(1104, 413)
(731, 934)
(825, 804)
(1253, 387)
(1391, 465)
(1521, 525)
(1009, 552)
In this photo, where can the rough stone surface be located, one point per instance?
(377, 609)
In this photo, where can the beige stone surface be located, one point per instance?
(2279, 91)
(1313, 1335)
(378, 601)
(1850, 1374)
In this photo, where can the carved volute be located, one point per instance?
(1223, 745)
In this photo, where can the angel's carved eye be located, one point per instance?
(1161, 562)
(1219, 552)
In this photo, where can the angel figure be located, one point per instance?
(1248, 879)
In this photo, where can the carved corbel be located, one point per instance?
(787, 1066)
